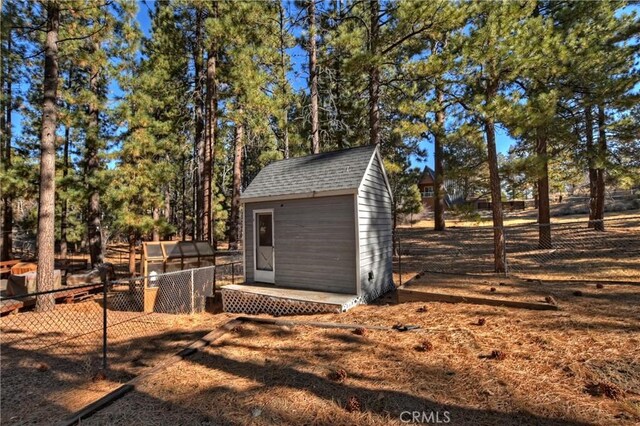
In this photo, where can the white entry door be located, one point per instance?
(264, 256)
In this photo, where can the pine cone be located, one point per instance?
(99, 376)
(338, 375)
(577, 293)
(353, 405)
(42, 367)
(498, 355)
(422, 309)
(425, 346)
(482, 321)
(360, 331)
(607, 389)
(599, 285)
(492, 289)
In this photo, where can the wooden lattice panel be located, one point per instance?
(251, 303)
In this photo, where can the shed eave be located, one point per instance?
(312, 194)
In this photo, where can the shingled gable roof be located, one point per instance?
(328, 173)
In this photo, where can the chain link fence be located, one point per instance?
(575, 251)
(64, 338)
(229, 268)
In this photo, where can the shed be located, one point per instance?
(317, 234)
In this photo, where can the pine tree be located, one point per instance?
(489, 67)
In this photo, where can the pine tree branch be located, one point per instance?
(84, 37)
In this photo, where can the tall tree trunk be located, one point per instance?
(155, 235)
(5, 128)
(496, 192)
(234, 214)
(591, 157)
(167, 211)
(210, 146)
(337, 65)
(374, 75)
(283, 82)
(199, 143)
(601, 170)
(46, 201)
(313, 77)
(183, 198)
(93, 165)
(65, 199)
(439, 191)
(544, 214)
(132, 252)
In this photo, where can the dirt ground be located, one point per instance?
(491, 287)
(282, 375)
(578, 253)
(47, 377)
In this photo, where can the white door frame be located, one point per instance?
(259, 275)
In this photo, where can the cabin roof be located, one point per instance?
(327, 172)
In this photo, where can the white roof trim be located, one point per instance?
(313, 194)
(384, 173)
(376, 154)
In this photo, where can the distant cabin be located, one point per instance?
(317, 225)
(453, 192)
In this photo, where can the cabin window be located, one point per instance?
(265, 234)
(427, 191)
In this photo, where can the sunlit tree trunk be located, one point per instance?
(132, 238)
(46, 201)
(544, 213)
(439, 191)
(601, 170)
(593, 173)
(313, 77)
(283, 82)
(496, 190)
(234, 214)
(199, 142)
(65, 200)
(5, 128)
(210, 145)
(155, 235)
(374, 75)
(94, 212)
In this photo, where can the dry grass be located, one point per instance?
(521, 367)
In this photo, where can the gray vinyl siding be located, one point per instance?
(314, 241)
(375, 223)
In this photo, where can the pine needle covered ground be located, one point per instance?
(577, 365)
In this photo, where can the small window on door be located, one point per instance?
(265, 234)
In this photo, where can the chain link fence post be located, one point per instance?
(104, 325)
(399, 259)
(193, 300)
(504, 252)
